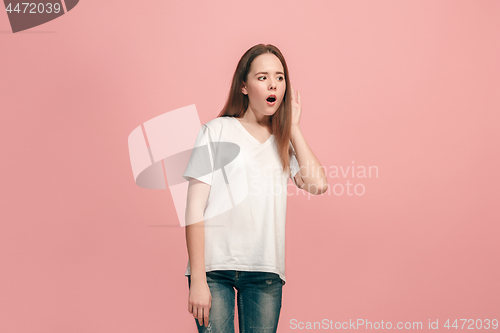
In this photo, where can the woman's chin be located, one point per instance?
(270, 113)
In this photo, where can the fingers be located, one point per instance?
(200, 310)
(200, 316)
(195, 312)
(298, 97)
(206, 316)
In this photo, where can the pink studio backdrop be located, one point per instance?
(408, 87)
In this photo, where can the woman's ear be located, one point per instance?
(244, 89)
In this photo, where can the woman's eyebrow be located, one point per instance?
(268, 73)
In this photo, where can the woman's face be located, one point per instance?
(265, 80)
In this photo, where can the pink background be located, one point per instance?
(411, 87)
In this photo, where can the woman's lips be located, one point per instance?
(272, 98)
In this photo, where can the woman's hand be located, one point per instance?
(200, 301)
(296, 108)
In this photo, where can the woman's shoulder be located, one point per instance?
(216, 125)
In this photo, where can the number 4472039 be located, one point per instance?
(35, 8)
(473, 324)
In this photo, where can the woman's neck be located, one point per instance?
(261, 120)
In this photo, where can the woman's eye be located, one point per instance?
(280, 78)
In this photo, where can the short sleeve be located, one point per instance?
(200, 165)
(294, 164)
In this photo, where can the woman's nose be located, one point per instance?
(272, 84)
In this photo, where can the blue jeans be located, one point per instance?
(259, 301)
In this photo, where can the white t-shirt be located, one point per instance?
(245, 214)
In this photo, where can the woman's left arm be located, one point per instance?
(311, 175)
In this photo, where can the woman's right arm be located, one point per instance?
(200, 299)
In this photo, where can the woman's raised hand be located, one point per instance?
(296, 108)
(200, 301)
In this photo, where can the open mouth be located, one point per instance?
(271, 99)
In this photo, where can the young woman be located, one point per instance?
(250, 151)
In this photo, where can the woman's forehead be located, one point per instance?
(266, 62)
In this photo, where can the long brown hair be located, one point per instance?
(237, 102)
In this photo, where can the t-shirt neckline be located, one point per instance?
(244, 130)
